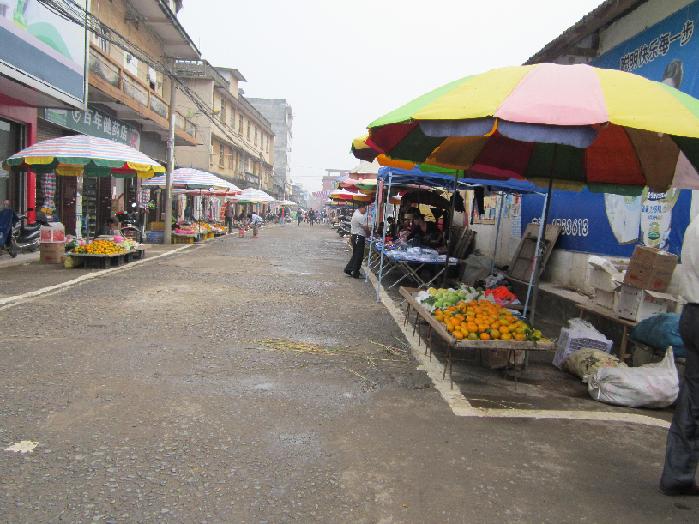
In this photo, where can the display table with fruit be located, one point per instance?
(106, 252)
(466, 320)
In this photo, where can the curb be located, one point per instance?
(8, 302)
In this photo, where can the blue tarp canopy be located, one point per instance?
(416, 176)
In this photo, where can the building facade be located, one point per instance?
(238, 145)
(280, 115)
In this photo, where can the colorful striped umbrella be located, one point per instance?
(343, 194)
(363, 151)
(254, 196)
(579, 125)
(348, 183)
(80, 155)
(189, 178)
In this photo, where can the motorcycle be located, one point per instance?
(16, 235)
(131, 224)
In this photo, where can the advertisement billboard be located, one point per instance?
(43, 50)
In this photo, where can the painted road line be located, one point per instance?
(460, 405)
(8, 302)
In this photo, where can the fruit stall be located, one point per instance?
(469, 320)
(104, 252)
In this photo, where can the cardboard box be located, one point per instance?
(639, 304)
(51, 253)
(606, 299)
(650, 269)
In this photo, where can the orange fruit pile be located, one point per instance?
(484, 320)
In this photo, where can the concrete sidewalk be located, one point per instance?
(25, 274)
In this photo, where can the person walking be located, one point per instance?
(359, 230)
(682, 451)
(311, 216)
(299, 217)
(229, 214)
(255, 221)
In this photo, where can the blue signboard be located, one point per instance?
(612, 224)
(665, 52)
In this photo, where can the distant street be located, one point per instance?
(250, 380)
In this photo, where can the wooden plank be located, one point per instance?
(605, 313)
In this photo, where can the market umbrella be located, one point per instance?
(348, 183)
(190, 178)
(610, 130)
(362, 150)
(343, 194)
(365, 169)
(254, 196)
(83, 155)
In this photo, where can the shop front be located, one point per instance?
(85, 205)
(17, 129)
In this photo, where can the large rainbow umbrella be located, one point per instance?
(80, 155)
(578, 125)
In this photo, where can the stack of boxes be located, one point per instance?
(638, 293)
(52, 243)
(648, 276)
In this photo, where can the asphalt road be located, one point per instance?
(250, 380)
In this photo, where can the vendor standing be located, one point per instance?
(682, 453)
(359, 230)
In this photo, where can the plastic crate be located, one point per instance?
(155, 237)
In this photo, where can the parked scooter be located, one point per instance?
(131, 224)
(16, 236)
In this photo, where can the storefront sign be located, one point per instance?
(612, 224)
(94, 123)
(36, 43)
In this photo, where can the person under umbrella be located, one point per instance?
(359, 230)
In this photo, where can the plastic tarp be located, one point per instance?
(416, 176)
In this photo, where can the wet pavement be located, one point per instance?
(250, 380)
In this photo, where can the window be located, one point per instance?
(222, 113)
(231, 160)
(101, 42)
(221, 155)
(241, 164)
(240, 124)
(152, 79)
(248, 133)
(255, 136)
(130, 63)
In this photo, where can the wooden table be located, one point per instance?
(511, 346)
(610, 315)
(107, 261)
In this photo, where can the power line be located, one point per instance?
(71, 11)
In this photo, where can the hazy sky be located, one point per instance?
(341, 64)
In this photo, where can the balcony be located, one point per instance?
(133, 100)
